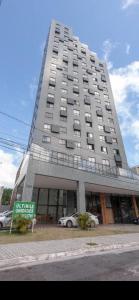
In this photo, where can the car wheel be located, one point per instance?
(69, 224)
(1, 225)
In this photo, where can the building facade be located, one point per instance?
(135, 170)
(75, 159)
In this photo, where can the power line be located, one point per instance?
(10, 135)
(14, 118)
(12, 149)
(13, 142)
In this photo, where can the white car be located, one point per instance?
(5, 219)
(71, 221)
(4, 212)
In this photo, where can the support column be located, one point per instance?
(103, 208)
(81, 203)
(28, 187)
(135, 208)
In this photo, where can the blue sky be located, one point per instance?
(110, 28)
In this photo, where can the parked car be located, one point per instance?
(5, 219)
(4, 212)
(135, 220)
(71, 221)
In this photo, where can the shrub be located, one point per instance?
(84, 221)
(21, 224)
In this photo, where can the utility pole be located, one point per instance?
(1, 193)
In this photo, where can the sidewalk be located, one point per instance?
(16, 255)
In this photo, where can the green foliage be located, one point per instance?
(6, 196)
(84, 221)
(21, 224)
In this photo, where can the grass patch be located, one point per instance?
(58, 233)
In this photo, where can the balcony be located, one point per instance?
(66, 160)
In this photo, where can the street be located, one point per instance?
(105, 267)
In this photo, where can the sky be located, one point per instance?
(109, 27)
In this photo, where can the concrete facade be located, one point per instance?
(75, 141)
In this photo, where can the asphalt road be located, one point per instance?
(108, 267)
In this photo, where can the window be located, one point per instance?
(110, 121)
(53, 66)
(90, 135)
(64, 83)
(114, 140)
(65, 53)
(106, 162)
(107, 103)
(76, 80)
(64, 91)
(63, 100)
(54, 60)
(100, 119)
(46, 139)
(91, 147)
(88, 115)
(62, 108)
(63, 130)
(92, 160)
(62, 142)
(77, 158)
(77, 122)
(102, 138)
(51, 95)
(77, 133)
(104, 150)
(112, 130)
(53, 72)
(52, 87)
(50, 105)
(88, 124)
(49, 115)
(77, 145)
(76, 112)
(100, 128)
(47, 127)
(62, 156)
(106, 96)
(116, 151)
(75, 73)
(98, 100)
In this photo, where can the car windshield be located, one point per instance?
(8, 214)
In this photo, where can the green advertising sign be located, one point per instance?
(24, 209)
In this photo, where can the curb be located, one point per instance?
(52, 257)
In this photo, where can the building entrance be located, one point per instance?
(122, 209)
(53, 204)
(93, 205)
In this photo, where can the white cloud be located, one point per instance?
(125, 86)
(108, 46)
(127, 3)
(107, 49)
(128, 47)
(9, 164)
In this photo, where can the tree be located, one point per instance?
(6, 196)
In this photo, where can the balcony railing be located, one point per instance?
(62, 159)
(58, 158)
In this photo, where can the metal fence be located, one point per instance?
(73, 162)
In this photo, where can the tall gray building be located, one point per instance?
(76, 158)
